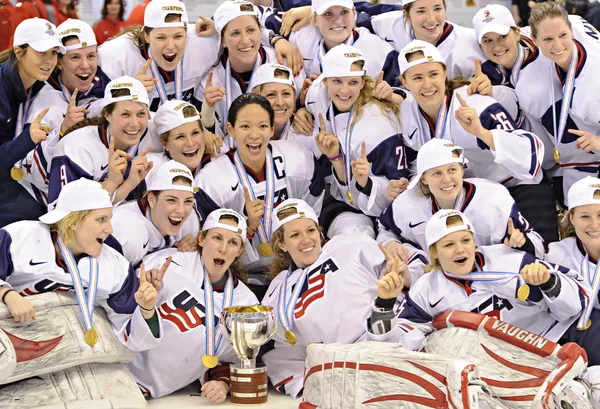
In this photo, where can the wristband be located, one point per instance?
(146, 309)
(5, 294)
(273, 40)
(248, 235)
(337, 157)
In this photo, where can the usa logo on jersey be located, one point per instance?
(314, 286)
(185, 312)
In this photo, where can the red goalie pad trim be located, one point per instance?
(28, 350)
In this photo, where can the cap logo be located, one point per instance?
(123, 85)
(487, 17)
(352, 55)
(429, 58)
(172, 8)
(180, 106)
(595, 186)
(416, 48)
(449, 145)
(70, 30)
(179, 170)
(134, 97)
(445, 216)
(84, 44)
(49, 30)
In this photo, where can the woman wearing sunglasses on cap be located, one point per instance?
(69, 249)
(107, 148)
(310, 292)
(257, 175)
(23, 70)
(163, 217)
(496, 280)
(197, 287)
(440, 108)
(241, 54)
(73, 92)
(364, 147)
(439, 184)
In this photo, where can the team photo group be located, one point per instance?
(356, 205)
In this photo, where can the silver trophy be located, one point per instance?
(247, 328)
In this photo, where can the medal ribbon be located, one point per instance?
(440, 124)
(285, 310)
(594, 281)
(346, 142)
(86, 303)
(516, 68)
(568, 89)
(160, 85)
(458, 202)
(266, 226)
(321, 54)
(228, 89)
(285, 132)
(213, 340)
(21, 115)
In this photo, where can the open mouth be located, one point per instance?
(190, 154)
(131, 133)
(429, 94)
(460, 261)
(431, 29)
(169, 57)
(338, 29)
(501, 53)
(254, 148)
(83, 77)
(344, 98)
(219, 262)
(100, 240)
(245, 50)
(280, 111)
(175, 221)
(307, 250)
(448, 189)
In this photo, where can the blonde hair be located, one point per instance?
(64, 227)
(434, 261)
(278, 73)
(136, 33)
(544, 11)
(425, 189)
(570, 229)
(187, 112)
(10, 56)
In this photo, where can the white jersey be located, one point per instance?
(487, 204)
(540, 87)
(31, 265)
(138, 235)
(457, 44)
(435, 293)
(239, 86)
(340, 286)
(181, 306)
(121, 56)
(379, 55)
(518, 154)
(82, 153)
(382, 135)
(296, 176)
(571, 253)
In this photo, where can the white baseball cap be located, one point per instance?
(430, 54)
(321, 6)
(162, 178)
(434, 153)
(230, 10)
(265, 74)
(436, 228)
(82, 194)
(80, 29)
(213, 220)
(137, 91)
(39, 34)
(405, 2)
(581, 192)
(303, 211)
(157, 10)
(170, 115)
(338, 62)
(493, 18)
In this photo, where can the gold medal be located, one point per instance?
(587, 325)
(17, 173)
(210, 361)
(265, 249)
(349, 196)
(523, 292)
(290, 337)
(91, 337)
(556, 155)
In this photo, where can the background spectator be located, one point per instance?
(112, 22)
(137, 14)
(7, 14)
(63, 10)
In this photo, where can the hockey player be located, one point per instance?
(581, 250)
(320, 293)
(24, 69)
(106, 148)
(256, 176)
(196, 288)
(365, 146)
(69, 250)
(439, 184)
(164, 55)
(72, 93)
(276, 83)
(496, 149)
(493, 280)
(241, 54)
(165, 217)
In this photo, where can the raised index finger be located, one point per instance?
(41, 115)
(363, 150)
(321, 123)
(462, 101)
(209, 79)
(164, 267)
(73, 102)
(379, 78)
(387, 254)
(111, 147)
(142, 274)
(145, 67)
(247, 195)
(478, 70)
(511, 225)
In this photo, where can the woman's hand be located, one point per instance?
(480, 83)
(255, 210)
(156, 275)
(535, 274)
(328, 143)
(587, 141)
(19, 307)
(515, 238)
(395, 187)
(392, 281)
(212, 93)
(37, 130)
(188, 243)
(361, 167)
(146, 79)
(216, 391)
(303, 122)
(468, 118)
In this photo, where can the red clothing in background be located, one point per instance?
(107, 28)
(7, 13)
(137, 14)
(61, 17)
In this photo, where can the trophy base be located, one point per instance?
(249, 386)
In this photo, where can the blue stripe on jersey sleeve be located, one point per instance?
(317, 182)
(6, 264)
(495, 76)
(412, 312)
(548, 123)
(205, 204)
(123, 301)
(388, 159)
(63, 166)
(391, 69)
